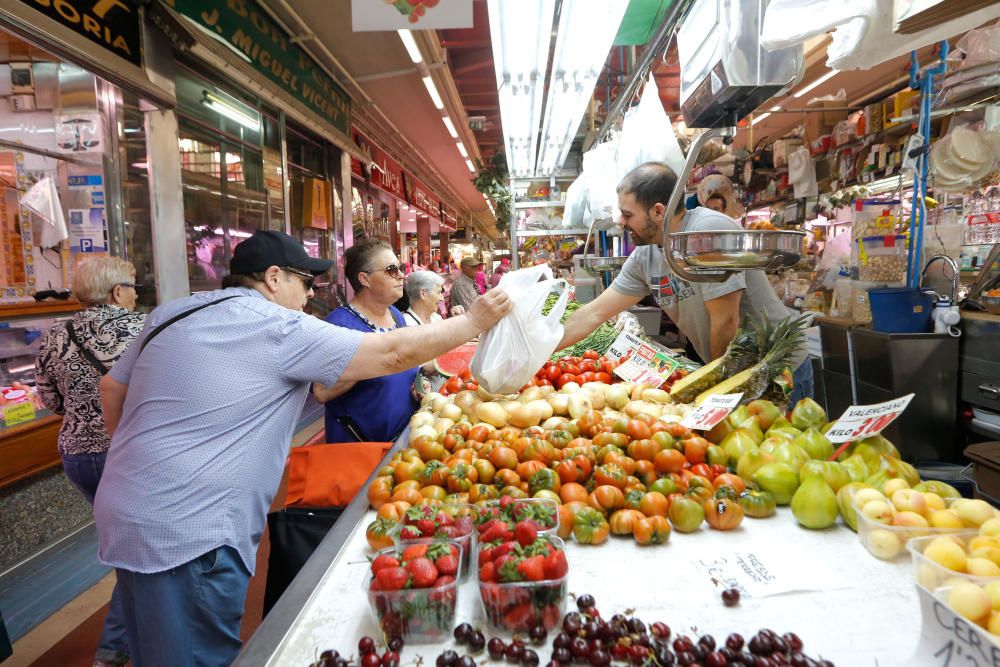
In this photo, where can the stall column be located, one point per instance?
(444, 237)
(423, 239)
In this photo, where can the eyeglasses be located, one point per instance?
(308, 279)
(393, 270)
(132, 285)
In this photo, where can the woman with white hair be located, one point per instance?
(73, 357)
(425, 290)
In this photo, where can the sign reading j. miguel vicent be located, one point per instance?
(242, 24)
(112, 24)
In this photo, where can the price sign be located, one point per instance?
(769, 570)
(18, 413)
(948, 640)
(860, 421)
(715, 408)
(642, 362)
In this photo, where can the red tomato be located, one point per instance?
(602, 377)
(552, 372)
(465, 373)
(588, 366)
(565, 379)
(591, 354)
(472, 386)
(454, 384)
(544, 382)
(571, 368)
(703, 470)
(589, 376)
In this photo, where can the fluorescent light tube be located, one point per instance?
(472, 167)
(461, 149)
(823, 79)
(759, 118)
(411, 46)
(451, 127)
(432, 89)
(246, 116)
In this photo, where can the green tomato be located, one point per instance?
(757, 504)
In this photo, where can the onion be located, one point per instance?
(559, 403)
(452, 412)
(467, 401)
(524, 415)
(484, 395)
(656, 396)
(570, 388)
(442, 424)
(423, 430)
(554, 423)
(493, 413)
(421, 419)
(546, 389)
(634, 408)
(638, 389)
(543, 407)
(488, 427)
(597, 387)
(530, 394)
(439, 403)
(509, 405)
(616, 397)
(579, 404)
(596, 396)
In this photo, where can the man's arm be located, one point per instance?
(381, 354)
(584, 320)
(724, 319)
(112, 400)
(326, 394)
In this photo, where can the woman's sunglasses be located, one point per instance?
(393, 270)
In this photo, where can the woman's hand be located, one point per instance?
(457, 310)
(488, 309)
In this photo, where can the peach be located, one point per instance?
(946, 519)
(993, 624)
(893, 485)
(934, 501)
(884, 544)
(908, 500)
(993, 590)
(974, 513)
(969, 601)
(878, 511)
(946, 553)
(982, 567)
(863, 496)
(990, 527)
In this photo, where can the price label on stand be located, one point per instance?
(715, 408)
(641, 362)
(18, 413)
(860, 421)
(948, 640)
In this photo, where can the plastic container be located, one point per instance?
(520, 605)
(884, 258)
(417, 615)
(901, 310)
(931, 574)
(877, 537)
(861, 310)
(465, 541)
(544, 510)
(843, 291)
(949, 473)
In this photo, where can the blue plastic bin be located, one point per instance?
(900, 309)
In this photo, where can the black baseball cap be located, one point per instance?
(269, 248)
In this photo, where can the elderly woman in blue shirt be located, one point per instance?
(375, 410)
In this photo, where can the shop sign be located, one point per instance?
(410, 14)
(418, 195)
(860, 421)
(111, 24)
(449, 217)
(386, 173)
(271, 53)
(80, 132)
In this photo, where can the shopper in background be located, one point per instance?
(463, 290)
(201, 410)
(708, 314)
(481, 285)
(716, 202)
(425, 291)
(73, 357)
(502, 268)
(373, 272)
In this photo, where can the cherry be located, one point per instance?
(396, 644)
(734, 642)
(683, 645)
(600, 658)
(664, 657)
(371, 660)
(514, 652)
(716, 659)
(778, 645)
(462, 632)
(528, 657)
(561, 640)
(636, 626)
(708, 641)
(638, 654)
(585, 601)
(466, 661)
(538, 634)
(476, 641)
(390, 659)
(572, 623)
(799, 660)
(562, 655)
(447, 659)
(496, 648)
(686, 658)
(731, 597)
(793, 641)
(579, 647)
(366, 645)
(660, 629)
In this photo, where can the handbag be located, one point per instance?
(294, 532)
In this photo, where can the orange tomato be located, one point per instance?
(676, 430)
(643, 450)
(729, 479)
(478, 434)
(571, 491)
(379, 534)
(610, 474)
(702, 470)
(623, 521)
(485, 470)
(503, 458)
(669, 460)
(608, 438)
(645, 471)
(651, 530)
(637, 430)
(526, 469)
(411, 496)
(654, 503)
(624, 462)
(507, 477)
(379, 491)
(394, 510)
(722, 513)
(606, 498)
(434, 492)
(566, 515)
(695, 449)
(407, 470)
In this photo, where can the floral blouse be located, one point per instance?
(67, 382)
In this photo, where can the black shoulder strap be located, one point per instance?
(87, 354)
(175, 318)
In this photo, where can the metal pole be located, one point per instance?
(652, 51)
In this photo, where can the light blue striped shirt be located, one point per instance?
(208, 419)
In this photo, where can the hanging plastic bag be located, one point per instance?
(599, 163)
(518, 345)
(647, 135)
(576, 202)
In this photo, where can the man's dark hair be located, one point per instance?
(358, 258)
(649, 183)
(719, 196)
(243, 279)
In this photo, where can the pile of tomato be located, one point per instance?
(460, 382)
(591, 367)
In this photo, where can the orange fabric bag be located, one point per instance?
(330, 475)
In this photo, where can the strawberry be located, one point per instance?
(505, 502)
(444, 519)
(485, 556)
(383, 561)
(551, 615)
(506, 568)
(525, 533)
(463, 525)
(392, 578)
(410, 532)
(532, 568)
(449, 532)
(487, 572)
(487, 525)
(447, 564)
(520, 618)
(414, 551)
(556, 565)
(422, 571)
(426, 527)
(494, 532)
(503, 549)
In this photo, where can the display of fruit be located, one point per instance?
(970, 553)
(413, 591)
(522, 583)
(814, 504)
(497, 518)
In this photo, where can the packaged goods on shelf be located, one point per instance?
(883, 258)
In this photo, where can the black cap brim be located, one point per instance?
(314, 265)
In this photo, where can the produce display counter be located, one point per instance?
(846, 605)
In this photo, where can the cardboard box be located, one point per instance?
(822, 118)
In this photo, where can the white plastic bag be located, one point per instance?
(518, 345)
(647, 135)
(599, 163)
(576, 202)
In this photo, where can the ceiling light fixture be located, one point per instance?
(411, 46)
(472, 167)
(432, 89)
(586, 33)
(823, 79)
(759, 118)
(461, 149)
(521, 38)
(451, 127)
(233, 110)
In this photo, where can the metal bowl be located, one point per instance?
(600, 264)
(737, 250)
(991, 304)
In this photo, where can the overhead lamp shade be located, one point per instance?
(521, 34)
(586, 34)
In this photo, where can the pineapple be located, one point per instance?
(782, 341)
(743, 352)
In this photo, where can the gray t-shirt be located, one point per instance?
(647, 271)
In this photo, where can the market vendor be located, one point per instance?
(708, 314)
(201, 410)
(463, 291)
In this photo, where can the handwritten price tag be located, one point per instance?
(18, 413)
(860, 421)
(769, 570)
(948, 640)
(715, 408)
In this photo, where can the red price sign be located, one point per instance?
(860, 421)
(711, 412)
